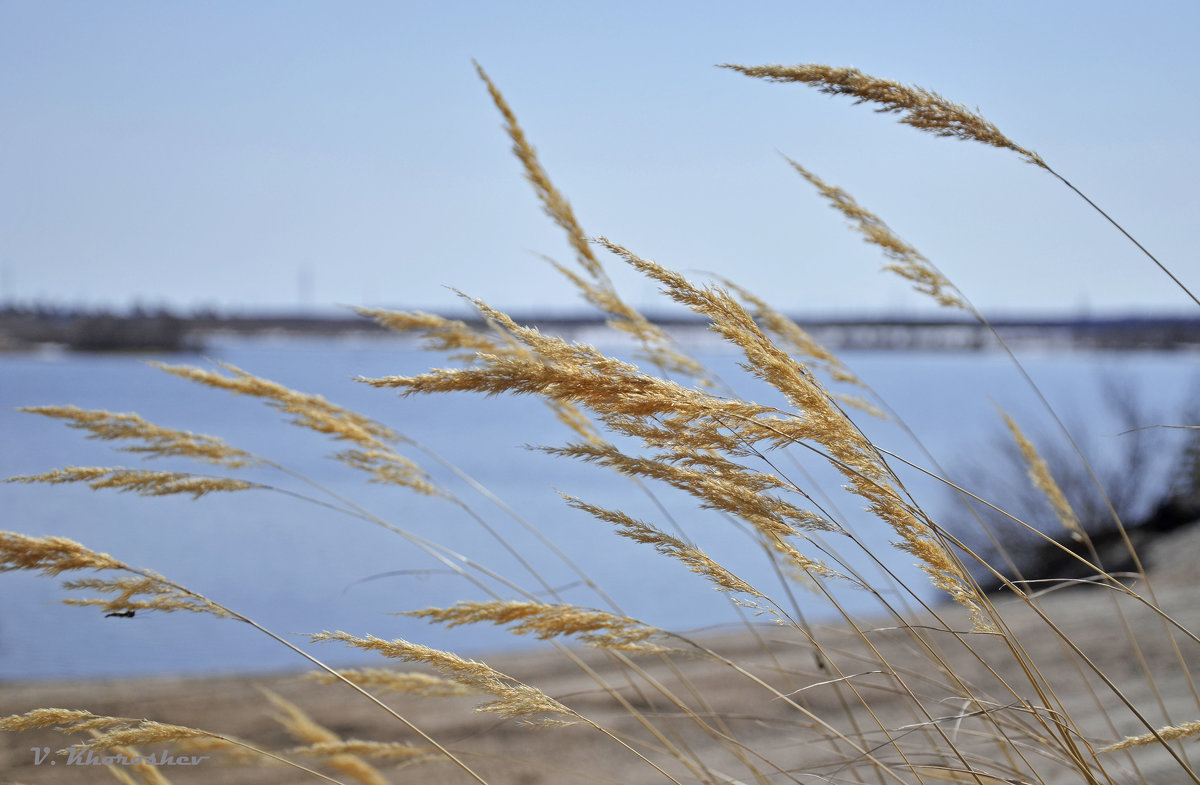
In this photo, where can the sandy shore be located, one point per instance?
(506, 752)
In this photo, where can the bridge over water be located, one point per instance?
(162, 330)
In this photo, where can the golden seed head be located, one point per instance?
(308, 411)
(422, 684)
(1183, 730)
(323, 742)
(906, 261)
(1043, 480)
(543, 620)
(693, 558)
(43, 718)
(141, 593)
(139, 481)
(51, 555)
(918, 107)
(512, 698)
(156, 440)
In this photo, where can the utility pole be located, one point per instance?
(7, 293)
(304, 285)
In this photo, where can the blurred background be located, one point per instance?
(303, 155)
(181, 182)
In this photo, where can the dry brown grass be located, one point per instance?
(985, 691)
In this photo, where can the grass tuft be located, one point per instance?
(951, 684)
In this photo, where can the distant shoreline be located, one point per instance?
(98, 331)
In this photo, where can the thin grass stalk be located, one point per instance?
(798, 621)
(877, 232)
(1121, 530)
(930, 112)
(927, 644)
(718, 732)
(908, 691)
(525, 523)
(233, 742)
(434, 550)
(1011, 639)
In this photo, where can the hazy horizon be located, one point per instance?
(581, 311)
(303, 155)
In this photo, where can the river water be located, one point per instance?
(298, 567)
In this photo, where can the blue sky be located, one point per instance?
(245, 155)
